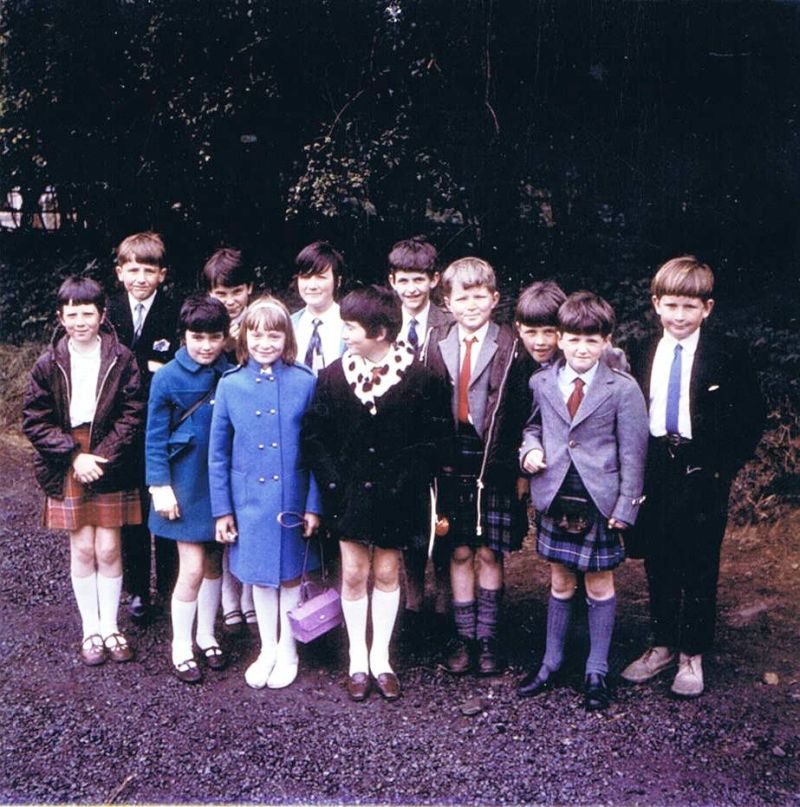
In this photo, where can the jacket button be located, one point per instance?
(368, 486)
(272, 411)
(275, 477)
(261, 445)
(261, 479)
(258, 381)
(331, 486)
(572, 444)
(272, 378)
(274, 445)
(371, 450)
(258, 413)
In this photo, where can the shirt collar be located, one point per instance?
(421, 317)
(569, 375)
(479, 335)
(689, 344)
(331, 315)
(148, 303)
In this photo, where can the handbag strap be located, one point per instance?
(324, 572)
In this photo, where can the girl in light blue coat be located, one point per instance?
(256, 476)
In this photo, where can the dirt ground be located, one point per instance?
(133, 733)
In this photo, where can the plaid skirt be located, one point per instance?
(503, 518)
(80, 507)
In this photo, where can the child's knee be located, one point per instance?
(387, 574)
(107, 548)
(562, 582)
(488, 558)
(461, 556)
(599, 585)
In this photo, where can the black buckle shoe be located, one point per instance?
(534, 683)
(596, 694)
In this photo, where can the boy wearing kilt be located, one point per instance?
(585, 445)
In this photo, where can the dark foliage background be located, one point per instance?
(586, 141)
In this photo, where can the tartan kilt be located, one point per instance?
(598, 550)
(80, 507)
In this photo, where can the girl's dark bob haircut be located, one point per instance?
(203, 314)
(374, 308)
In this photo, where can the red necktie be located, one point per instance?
(463, 381)
(575, 398)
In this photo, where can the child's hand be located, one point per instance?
(310, 524)
(88, 467)
(523, 488)
(225, 530)
(164, 501)
(616, 524)
(534, 461)
(234, 329)
(154, 366)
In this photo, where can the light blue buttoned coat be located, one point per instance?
(254, 469)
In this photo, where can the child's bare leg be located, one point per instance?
(208, 599)
(355, 571)
(601, 599)
(191, 558)
(230, 596)
(385, 602)
(83, 572)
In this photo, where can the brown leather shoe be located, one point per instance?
(216, 658)
(460, 656)
(118, 648)
(388, 685)
(488, 657)
(93, 651)
(188, 672)
(358, 686)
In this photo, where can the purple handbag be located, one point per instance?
(320, 607)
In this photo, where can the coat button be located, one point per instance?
(272, 378)
(258, 413)
(371, 450)
(258, 381)
(572, 444)
(272, 411)
(261, 479)
(275, 477)
(368, 486)
(261, 445)
(331, 486)
(274, 445)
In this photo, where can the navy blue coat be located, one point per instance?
(177, 454)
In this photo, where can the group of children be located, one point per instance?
(401, 430)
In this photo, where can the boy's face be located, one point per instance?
(317, 290)
(234, 298)
(681, 316)
(413, 288)
(582, 350)
(266, 347)
(81, 321)
(471, 308)
(204, 348)
(541, 341)
(357, 341)
(140, 279)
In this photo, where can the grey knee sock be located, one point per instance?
(559, 614)
(488, 612)
(465, 618)
(601, 626)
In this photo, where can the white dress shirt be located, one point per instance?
(480, 337)
(422, 324)
(567, 376)
(330, 333)
(659, 381)
(84, 369)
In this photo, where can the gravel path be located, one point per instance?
(133, 733)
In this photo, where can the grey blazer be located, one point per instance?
(607, 441)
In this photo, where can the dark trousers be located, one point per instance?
(683, 521)
(136, 559)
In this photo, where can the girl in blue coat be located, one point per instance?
(176, 451)
(256, 475)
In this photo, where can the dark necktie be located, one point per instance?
(314, 344)
(138, 323)
(575, 397)
(463, 381)
(674, 392)
(413, 336)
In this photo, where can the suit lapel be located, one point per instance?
(598, 391)
(553, 395)
(488, 349)
(449, 350)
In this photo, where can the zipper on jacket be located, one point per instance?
(97, 397)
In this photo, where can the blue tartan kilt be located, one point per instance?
(598, 550)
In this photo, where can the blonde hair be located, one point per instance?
(147, 248)
(684, 276)
(469, 272)
(269, 314)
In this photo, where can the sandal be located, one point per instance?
(215, 656)
(233, 623)
(93, 651)
(118, 648)
(188, 671)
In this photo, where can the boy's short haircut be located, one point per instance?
(415, 254)
(315, 258)
(147, 248)
(469, 272)
(81, 291)
(203, 314)
(586, 313)
(267, 313)
(225, 268)
(538, 304)
(684, 276)
(373, 308)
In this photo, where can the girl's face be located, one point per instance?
(265, 347)
(317, 290)
(234, 298)
(81, 322)
(357, 341)
(204, 348)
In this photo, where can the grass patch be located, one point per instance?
(16, 362)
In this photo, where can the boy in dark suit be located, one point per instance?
(413, 276)
(146, 322)
(706, 416)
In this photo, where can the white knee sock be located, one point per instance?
(85, 589)
(287, 647)
(230, 587)
(265, 600)
(355, 619)
(384, 611)
(182, 623)
(109, 590)
(207, 607)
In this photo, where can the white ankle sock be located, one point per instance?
(207, 606)
(384, 611)
(355, 619)
(265, 600)
(182, 622)
(109, 590)
(85, 589)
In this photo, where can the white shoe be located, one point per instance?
(688, 682)
(648, 665)
(257, 674)
(283, 673)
